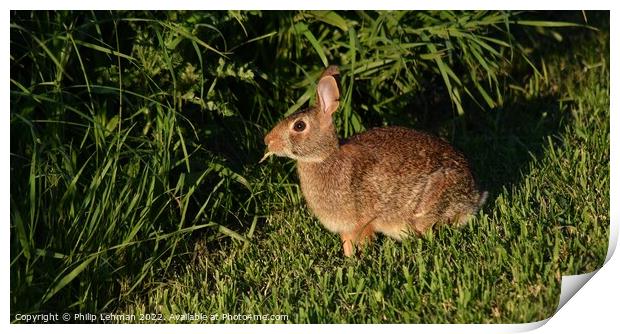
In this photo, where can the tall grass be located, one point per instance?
(106, 160)
(135, 134)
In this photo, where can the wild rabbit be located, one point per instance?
(391, 180)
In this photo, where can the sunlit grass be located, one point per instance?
(505, 266)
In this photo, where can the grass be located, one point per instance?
(503, 267)
(136, 188)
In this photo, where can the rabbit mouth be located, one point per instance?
(284, 153)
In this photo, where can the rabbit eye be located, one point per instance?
(299, 126)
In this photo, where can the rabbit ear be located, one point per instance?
(328, 96)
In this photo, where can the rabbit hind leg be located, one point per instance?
(421, 224)
(360, 235)
(448, 197)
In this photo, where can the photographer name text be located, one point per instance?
(145, 317)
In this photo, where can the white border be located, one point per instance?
(594, 307)
(5, 198)
(313, 4)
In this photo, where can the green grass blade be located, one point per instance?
(330, 17)
(182, 31)
(22, 235)
(66, 279)
(551, 24)
(303, 28)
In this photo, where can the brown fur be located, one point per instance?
(390, 180)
